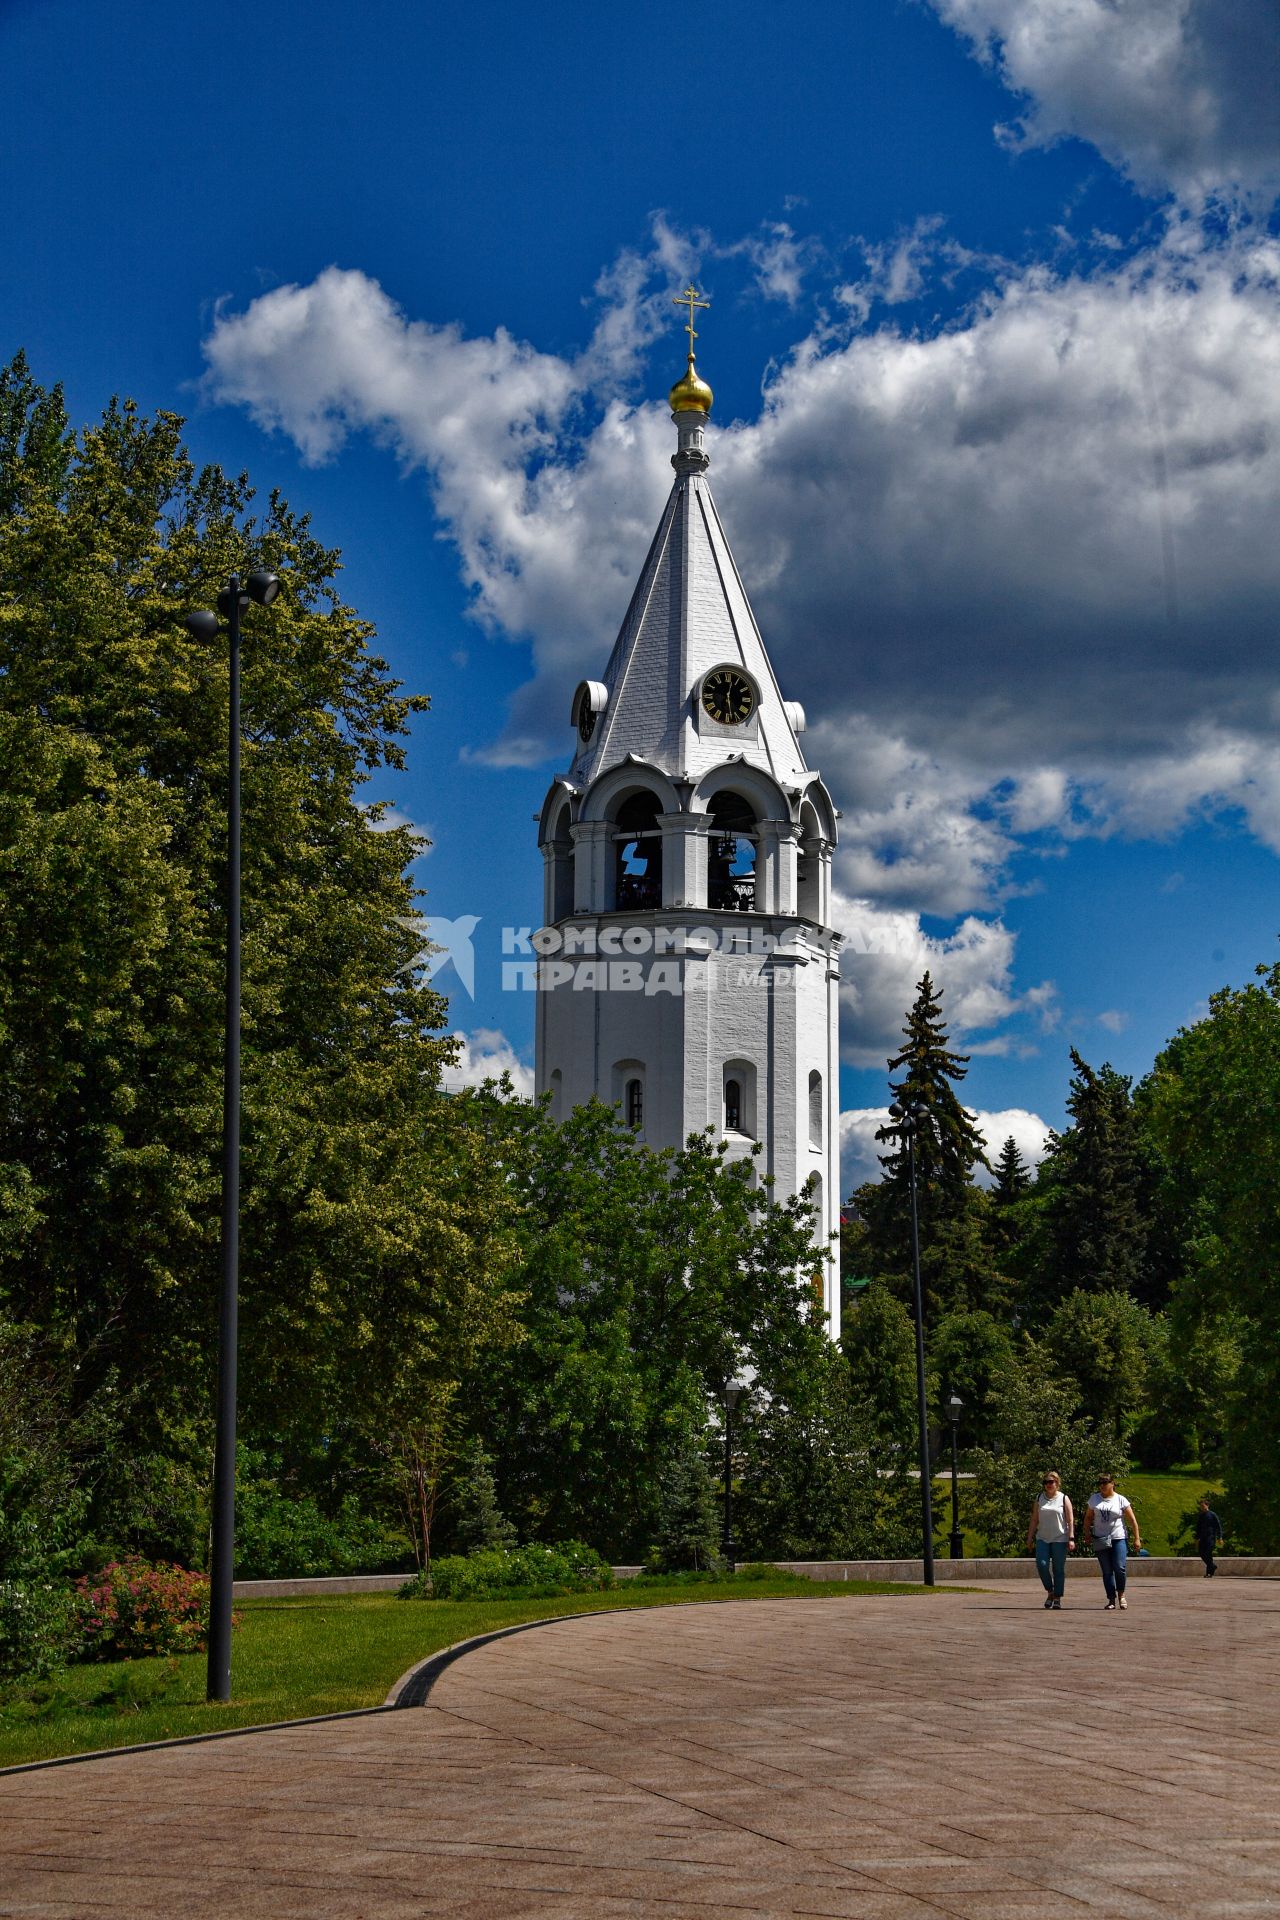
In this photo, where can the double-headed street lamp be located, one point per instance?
(909, 1117)
(733, 1392)
(955, 1407)
(234, 598)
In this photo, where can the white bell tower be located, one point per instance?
(688, 969)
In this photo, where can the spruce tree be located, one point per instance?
(478, 1519)
(948, 1145)
(1013, 1176)
(1099, 1180)
(958, 1270)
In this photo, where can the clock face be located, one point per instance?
(728, 697)
(586, 719)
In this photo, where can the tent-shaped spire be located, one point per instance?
(688, 617)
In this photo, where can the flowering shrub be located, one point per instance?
(133, 1608)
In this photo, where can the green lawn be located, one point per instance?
(292, 1658)
(1159, 1500)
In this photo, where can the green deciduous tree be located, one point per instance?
(1037, 1426)
(817, 1480)
(1107, 1343)
(372, 1225)
(879, 1348)
(1212, 1103)
(646, 1279)
(970, 1354)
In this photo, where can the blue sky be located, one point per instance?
(996, 353)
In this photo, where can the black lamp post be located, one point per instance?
(234, 598)
(728, 1550)
(955, 1407)
(909, 1119)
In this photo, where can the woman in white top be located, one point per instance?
(1051, 1531)
(1108, 1516)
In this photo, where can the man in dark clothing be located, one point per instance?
(1208, 1534)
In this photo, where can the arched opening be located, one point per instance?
(637, 839)
(633, 1104)
(809, 902)
(739, 1097)
(815, 1109)
(731, 855)
(815, 1188)
(561, 867)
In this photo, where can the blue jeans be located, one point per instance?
(1112, 1560)
(1052, 1554)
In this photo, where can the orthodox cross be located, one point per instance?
(690, 299)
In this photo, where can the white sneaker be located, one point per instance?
(1110, 1607)
(1123, 1602)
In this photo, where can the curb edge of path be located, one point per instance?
(410, 1690)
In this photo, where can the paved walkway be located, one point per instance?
(890, 1759)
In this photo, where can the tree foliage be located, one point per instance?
(1037, 1426)
(372, 1230)
(1098, 1182)
(818, 1481)
(1212, 1104)
(646, 1281)
(948, 1145)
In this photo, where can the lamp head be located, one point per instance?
(202, 624)
(733, 1392)
(955, 1407)
(263, 587)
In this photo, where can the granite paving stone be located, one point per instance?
(960, 1755)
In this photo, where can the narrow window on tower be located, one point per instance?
(733, 1106)
(633, 1105)
(815, 1109)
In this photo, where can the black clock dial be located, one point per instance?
(728, 697)
(586, 720)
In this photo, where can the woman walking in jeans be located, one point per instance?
(1108, 1516)
(1051, 1531)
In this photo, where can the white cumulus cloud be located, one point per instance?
(486, 1054)
(1179, 94)
(886, 951)
(860, 1150)
(1021, 569)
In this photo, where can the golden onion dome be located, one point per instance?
(692, 394)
